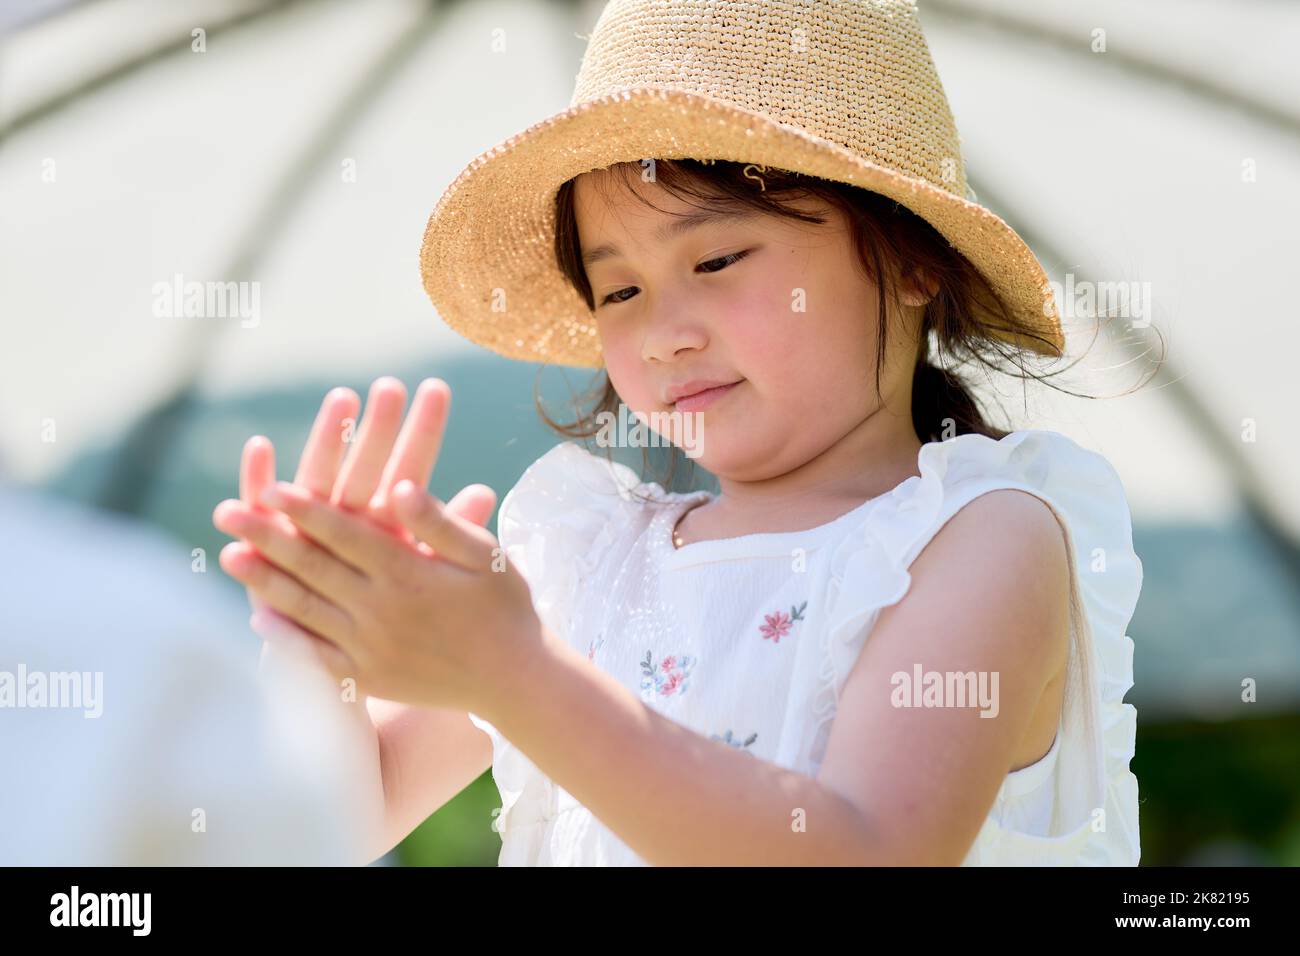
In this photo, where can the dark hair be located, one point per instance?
(892, 243)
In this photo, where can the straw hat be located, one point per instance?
(841, 89)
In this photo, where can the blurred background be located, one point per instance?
(302, 145)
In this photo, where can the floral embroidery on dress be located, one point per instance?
(672, 676)
(593, 647)
(775, 626)
(736, 741)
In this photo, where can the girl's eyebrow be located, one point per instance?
(679, 225)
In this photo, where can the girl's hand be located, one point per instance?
(366, 482)
(434, 621)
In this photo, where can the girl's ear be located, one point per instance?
(917, 288)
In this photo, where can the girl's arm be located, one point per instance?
(417, 757)
(897, 786)
(427, 756)
(410, 760)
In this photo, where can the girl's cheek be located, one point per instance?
(761, 324)
(627, 373)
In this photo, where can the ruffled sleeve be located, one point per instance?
(1095, 817)
(555, 525)
(557, 521)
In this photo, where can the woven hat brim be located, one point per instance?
(488, 261)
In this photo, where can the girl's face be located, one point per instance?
(781, 307)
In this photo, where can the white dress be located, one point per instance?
(725, 638)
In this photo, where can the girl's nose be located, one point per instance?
(671, 331)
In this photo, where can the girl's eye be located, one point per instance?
(613, 296)
(722, 262)
(725, 260)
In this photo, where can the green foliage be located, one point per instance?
(1219, 792)
(459, 834)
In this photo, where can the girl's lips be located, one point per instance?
(702, 400)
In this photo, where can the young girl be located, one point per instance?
(895, 636)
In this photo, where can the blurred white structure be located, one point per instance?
(169, 749)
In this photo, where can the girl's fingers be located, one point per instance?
(450, 537)
(288, 549)
(304, 607)
(350, 535)
(360, 475)
(269, 623)
(416, 451)
(474, 503)
(256, 474)
(276, 628)
(256, 469)
(318, 468)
